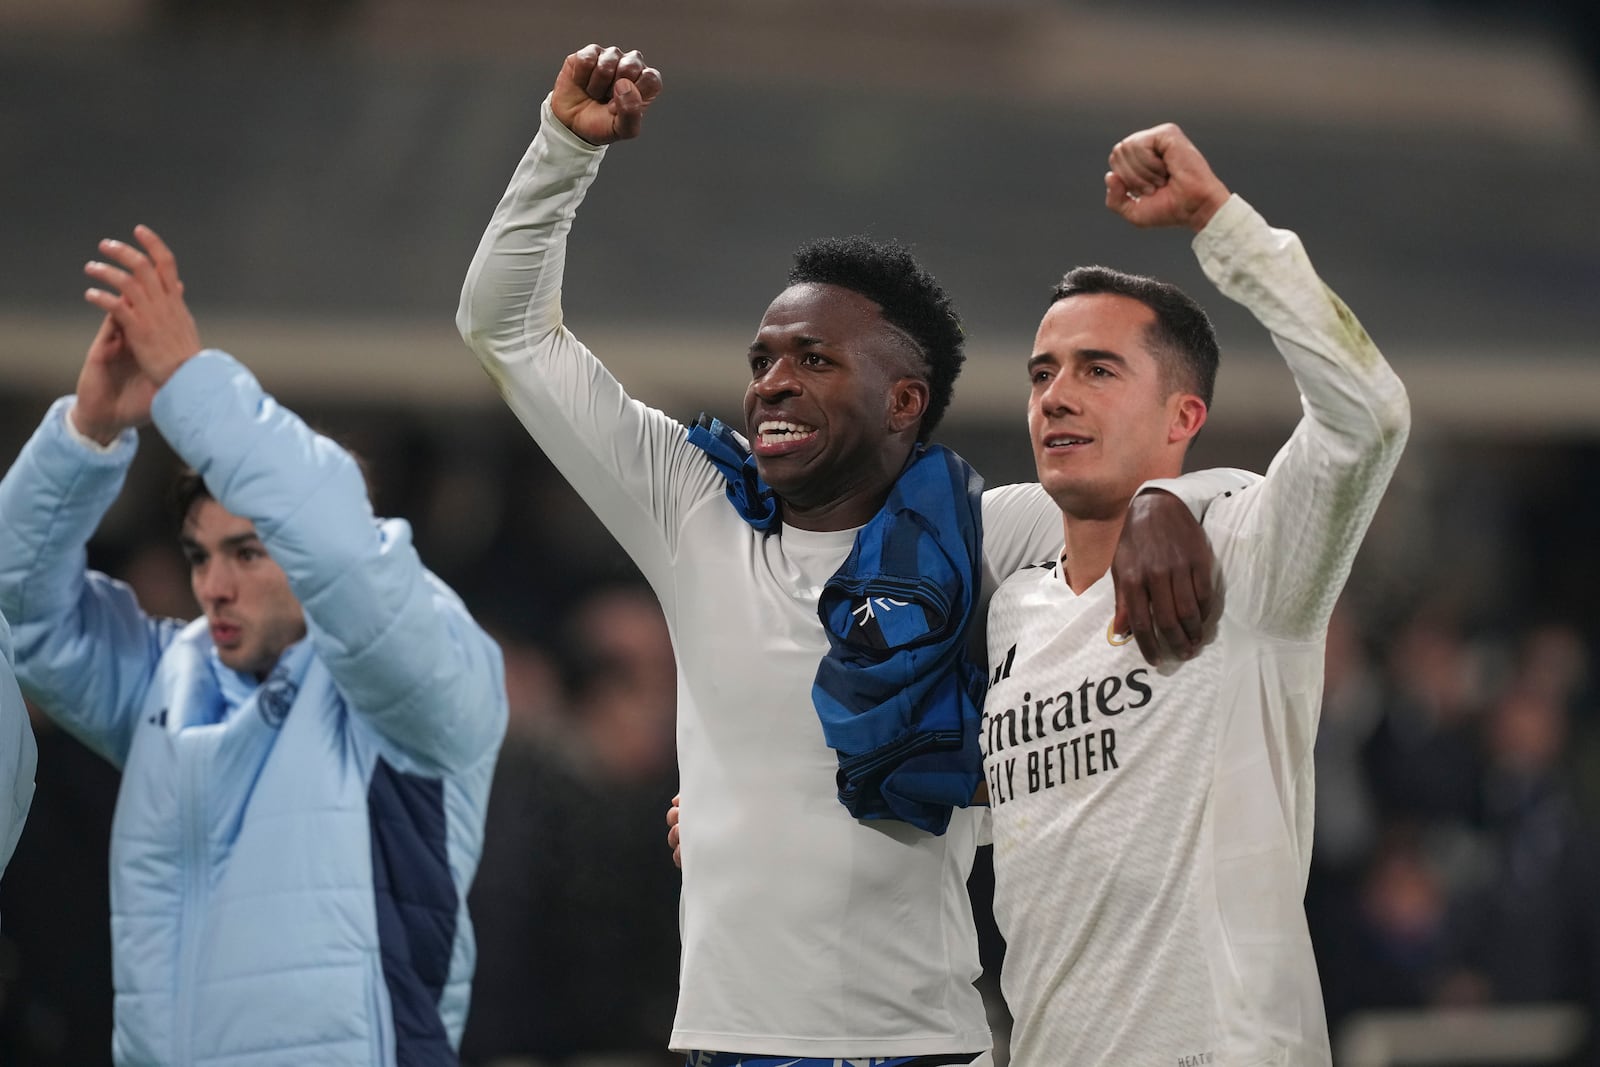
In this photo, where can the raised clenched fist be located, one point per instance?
(602, 94)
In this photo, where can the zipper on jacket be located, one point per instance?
(194, 760)
(379, 1025)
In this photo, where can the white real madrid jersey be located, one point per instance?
(1153, 828)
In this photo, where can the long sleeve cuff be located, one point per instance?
(188, 402)
(556, 132)
(84, 439)
(67, 457)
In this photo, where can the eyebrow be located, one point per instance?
(1083, 355)
(804, 341)
(236, 541)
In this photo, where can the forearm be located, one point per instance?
(400, 647)
(629, 462)
(1347, 388)
(84, 649)
(512, 294)
(1305, 522)
(51, 501)
(1199, 489)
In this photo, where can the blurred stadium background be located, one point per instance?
(324, 168)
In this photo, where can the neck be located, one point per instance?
(844, 514)
(1090, 546)
(263, 673)
(848, 506)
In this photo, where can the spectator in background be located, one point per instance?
(1352, 703)
(1346, 824)
(1399, 950)
(1424, 756)
(576, 907)
(1528, 932)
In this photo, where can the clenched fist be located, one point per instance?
(602, 94)
(1159, 178)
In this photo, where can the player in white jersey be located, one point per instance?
(806, 933)
(1153, 826)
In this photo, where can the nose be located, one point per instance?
(213, 583)
(777, 382)
(1060, 397)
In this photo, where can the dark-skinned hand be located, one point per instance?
(1162, 575)
(602, 94)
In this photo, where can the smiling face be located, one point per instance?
(245, 595)
(835, 397)
(1102, 413)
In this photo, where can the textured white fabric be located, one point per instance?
(1153, 828)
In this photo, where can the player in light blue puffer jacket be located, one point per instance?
(306, 768)
(18, 754)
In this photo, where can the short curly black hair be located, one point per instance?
(886, 273)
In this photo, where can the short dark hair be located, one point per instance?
(1181, 336)
(886, 273)
(188, 489)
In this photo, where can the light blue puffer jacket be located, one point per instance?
(289, 860)
(18, 754)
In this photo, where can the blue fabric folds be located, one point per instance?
(899, 700)
(751, 497)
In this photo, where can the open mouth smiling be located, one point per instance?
(775, 436)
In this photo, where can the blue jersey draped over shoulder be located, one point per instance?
(898, 697)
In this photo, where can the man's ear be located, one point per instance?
(908, 402)
(1188, 415)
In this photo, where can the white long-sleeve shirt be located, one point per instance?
(1153, 828)
(805, 932)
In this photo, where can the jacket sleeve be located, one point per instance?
(18, 755)
(1287, 544)
(85, 651)
(400, 645)
(631, 464)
